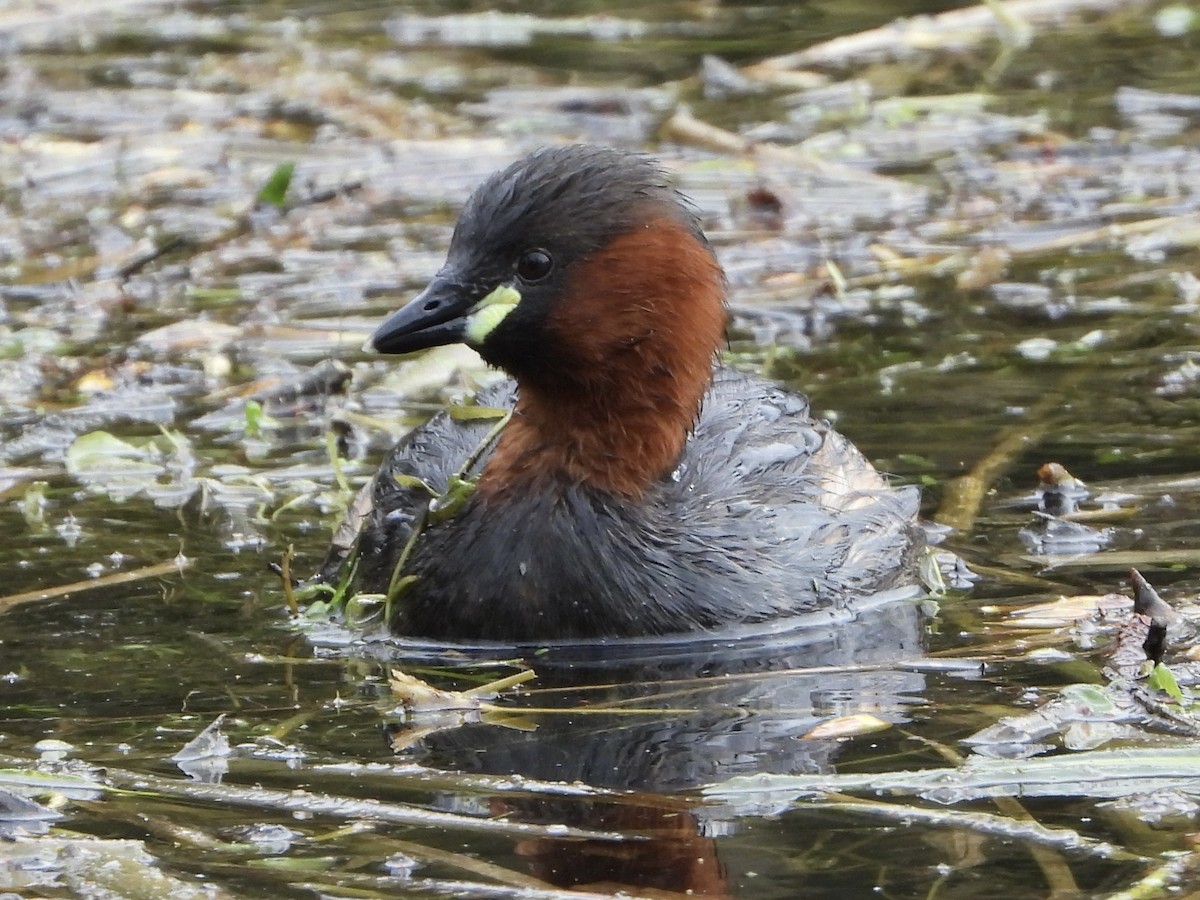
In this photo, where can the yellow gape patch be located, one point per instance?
(490, 312)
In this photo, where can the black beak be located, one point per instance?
(434, 317)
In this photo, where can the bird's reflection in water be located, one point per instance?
(655, 721)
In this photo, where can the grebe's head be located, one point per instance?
(572, 262)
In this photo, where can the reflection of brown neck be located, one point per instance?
(639, 326)
(675, 861)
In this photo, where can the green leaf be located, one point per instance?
(277, 185)
(458, 492)
(1164, 679)
(466, 412)
(257, 420)
(365, 609)
(1092, 700)
(100, 453)
(296, 864)
(412, 482)
(254, 414)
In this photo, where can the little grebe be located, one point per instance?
(638, 489)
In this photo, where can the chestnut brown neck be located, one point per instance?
(638, 329)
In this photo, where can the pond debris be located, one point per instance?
(307, 392)
(964, 495)
(143, 259)
(1083, 716)
(288, 580)
(53, 750)
(342, 807)
(1139, 653)
(764, 208)
(601, 115)
(1051, 536)
(161, 468)
(721, 80)
(427, 710)
(942, 570)
(21, 816)
(955, 30)
(175, 566)
(1173, 874)
(418, 697)
(1159, 614)
(846, 727)
(1007, 827)
(1058, 491)
(209, 743)
(119, 783)
(92, 867)
(494, 28)
(1101, 774)
(1068, 610)
(205, 757)
(301, 394)
(1141, 693)
(190, 334)
(1059, 529)
(893, 193)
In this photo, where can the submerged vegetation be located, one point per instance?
(971, 235)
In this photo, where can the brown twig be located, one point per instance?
(142, 260)
(285, 573)
(165, 568)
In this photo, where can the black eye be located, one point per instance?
(534, 265)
